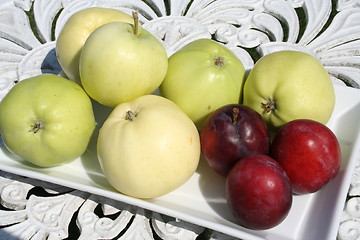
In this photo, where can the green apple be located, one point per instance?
(46, 120)
(75, 32)
(203, 76)
(148, 147)
(288, 85)
(120, 62)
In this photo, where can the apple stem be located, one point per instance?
(37, 126)
(219, 61)
(130, 115)
(269, 106)
(136, 23)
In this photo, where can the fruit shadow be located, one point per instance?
(212, 187)
(89, 159)
(17, 159)
(50, 63)
(321, 213)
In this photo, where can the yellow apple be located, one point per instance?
(47, 120)
(148, 147)
(75, 32)
(120, 62)
(203, 76)
(288, 85)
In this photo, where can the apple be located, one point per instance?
(230, 133)
(120, 62)
(148, 147)
(203, 76)
(46, 120)
(288, 85)
(309, 152)
(76, 30)
(258, 192)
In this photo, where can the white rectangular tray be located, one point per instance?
(202, 199)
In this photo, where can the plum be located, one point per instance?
(230, 133)
(258, 192)
(309, 152)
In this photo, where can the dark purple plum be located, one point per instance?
(230, 133)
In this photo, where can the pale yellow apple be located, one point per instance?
(148, 147)
(75, 32)
(289, 85)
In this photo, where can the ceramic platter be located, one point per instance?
(201, 200)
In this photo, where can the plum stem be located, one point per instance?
(269, 106)
(37, 126)
(136, 23)
(130, 116)
(236, 112)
